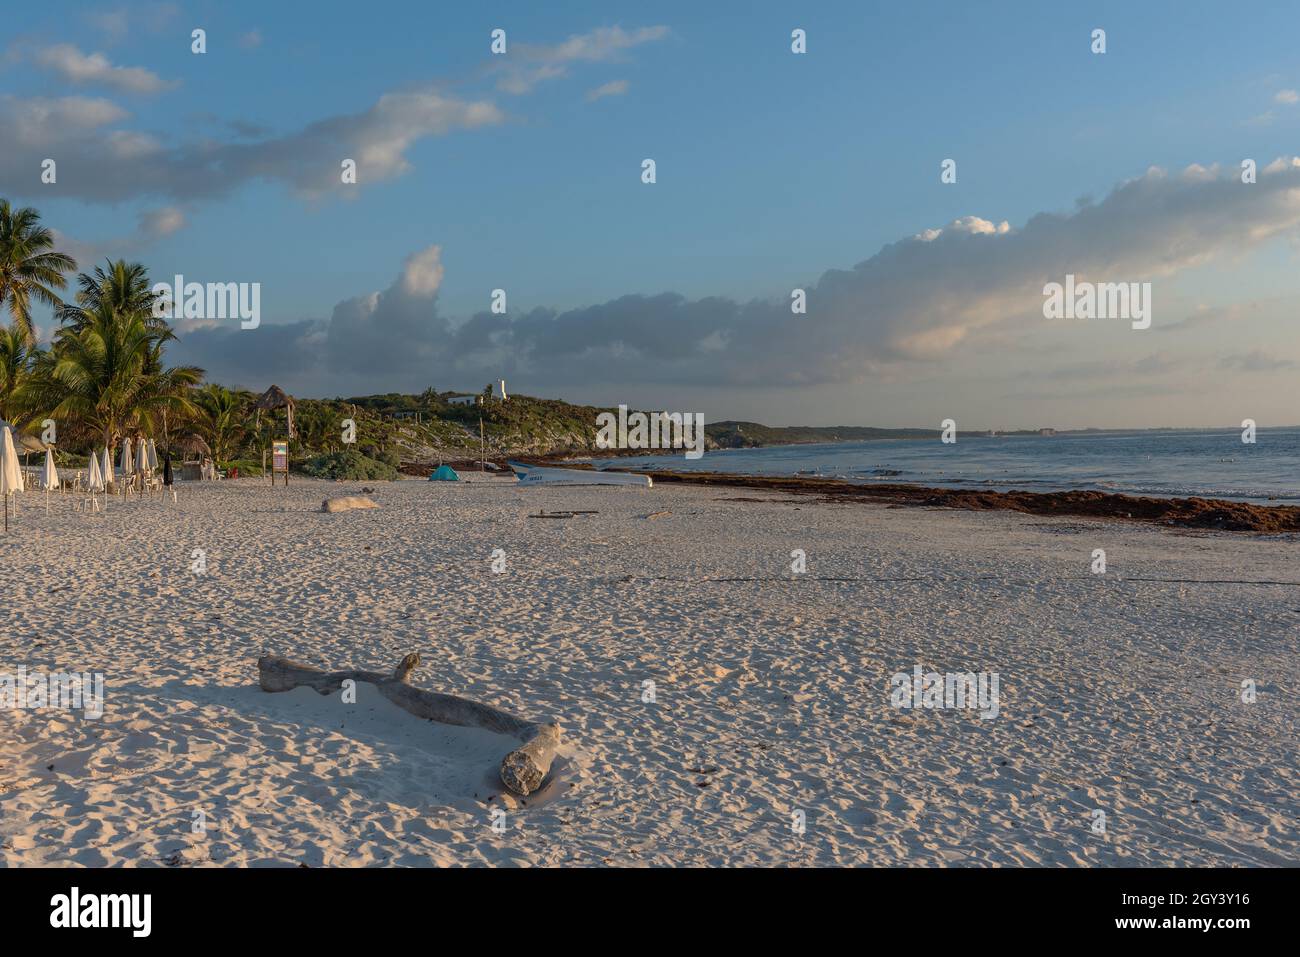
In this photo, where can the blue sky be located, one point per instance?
(772, 168)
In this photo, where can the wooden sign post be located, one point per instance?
(280, 460)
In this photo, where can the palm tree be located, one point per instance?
(124, 288)
(317, 427)
(101, 379)
(29, 267)
(220, 420)
(15, 370)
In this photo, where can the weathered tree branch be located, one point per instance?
(522, 770)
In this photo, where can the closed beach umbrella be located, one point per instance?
(18, 443)
(50, 477)
(142, 457)
(126, 463)
(94, 480)
(153, 456)
(11, 477)
(106, 475)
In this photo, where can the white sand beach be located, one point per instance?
(772, 689)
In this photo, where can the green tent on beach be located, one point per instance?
(444, 473)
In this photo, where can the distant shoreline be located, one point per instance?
(730, 435)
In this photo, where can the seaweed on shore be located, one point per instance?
(1216, 514)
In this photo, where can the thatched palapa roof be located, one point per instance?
(22, 441)
(193, 445)
(272, 399)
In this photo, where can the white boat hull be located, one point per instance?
(537, 475)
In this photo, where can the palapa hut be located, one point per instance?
(272, 399)
(30, 443)
(194, 450)
(27, 444)
(24, 444)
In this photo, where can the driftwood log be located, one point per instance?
(522, 770)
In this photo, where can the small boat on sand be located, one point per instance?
(539, 475)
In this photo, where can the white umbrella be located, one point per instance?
(49, 477)
(126, 463)
(106, 475)
(94, 481)
(11, 477)
(153, 456)
(14, 444)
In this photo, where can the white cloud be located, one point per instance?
(526, 65)
(971, 225)
(422, 274)
(612, 88)
(1199, 173)
(251, 40)
(45, 121)
(129, 145)
(379, 138)
(80, 68)
(1287, 97)
(119, 164)
(113, 165)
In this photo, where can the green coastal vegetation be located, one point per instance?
(103, 376)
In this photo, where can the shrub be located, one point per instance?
(348, 465)
(248, 467)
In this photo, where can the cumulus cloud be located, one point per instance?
(1287, 97)
(79, 68)
(526, 65)
(916, 300)
(612, 88)
(971, 225)
(422, 274)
